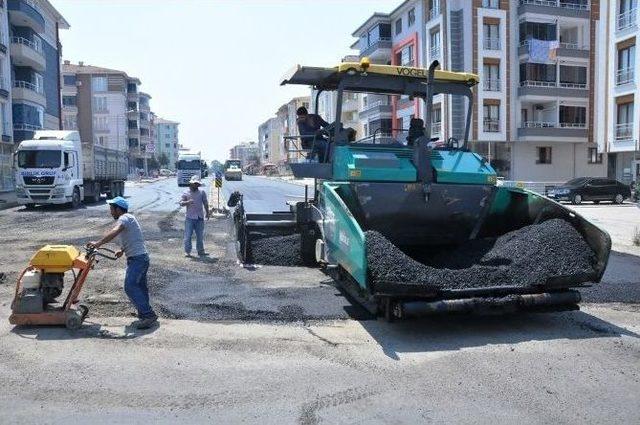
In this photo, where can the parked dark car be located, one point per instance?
(594, 189)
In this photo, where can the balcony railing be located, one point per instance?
(24, 126)
(624, 131)
(625, 76)
(434, 52)
(569, 46)
(573, 125)
(572, 85)
(491, 125)
(25, 41)
(626, 19)
(492, 43)
(381, 42)
(434, 13)
(491, 84)
(533, 83)
(538, 124)
(373, 105)
(555, 3)
(29, 86)
(436, 128)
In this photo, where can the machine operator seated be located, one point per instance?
(311, 137)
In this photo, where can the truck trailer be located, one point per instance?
(57, 167)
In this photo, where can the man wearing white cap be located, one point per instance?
(195, 199)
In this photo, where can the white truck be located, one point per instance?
(56, 167)
(189, 164)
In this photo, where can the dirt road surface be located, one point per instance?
(283, 345)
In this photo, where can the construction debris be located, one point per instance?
(528, 256)
(277, 251)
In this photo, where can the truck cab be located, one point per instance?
(48, 169)
(188, 165)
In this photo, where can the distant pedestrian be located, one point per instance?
(132, 243)
(195, 199)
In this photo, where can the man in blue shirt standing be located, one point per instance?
(132, 242)
(195, 199)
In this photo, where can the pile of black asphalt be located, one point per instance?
(533, 255)
(277, 251)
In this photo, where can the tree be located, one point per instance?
(152, 164)
(163, 160)
(216, 165)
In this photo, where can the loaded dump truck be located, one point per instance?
(56, 167)
(418, 226)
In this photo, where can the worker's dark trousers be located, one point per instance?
(135, 285)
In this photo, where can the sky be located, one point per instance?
(213, 66)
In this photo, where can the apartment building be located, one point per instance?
(6, 139)
(395, 38)
(166, 140)
(247, 152)
(617, 123)
(29, 75)
(98, 102)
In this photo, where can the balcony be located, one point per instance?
(26, 52)
(490, 125)
(378, 49)
(378, 107)
(491, 43)
(624, 131)
(144, 107)
(434, 13)
(491, 84)
(565, 49)
(24, 131)
(626, 20)
(625, 76)
(25, 90)
(4, 87)
(572, 9)
(557, 131)
(25, 13)
(553, 89)
(434, 53)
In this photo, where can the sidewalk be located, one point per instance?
(291, 179)
(7, 200)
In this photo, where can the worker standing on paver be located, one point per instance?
(195, 199)
(132, 242)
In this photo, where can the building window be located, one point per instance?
(411, 17)
(436, 121)
(434, 39)
(133, 125)
(398, 26)
(100, 104)
(491, 37)
(101, 123)
(405, 56)
(132, 106)
(538, 73)
(624, 121)
(573, 76)
(69, 80)
(70, 122)
(626, 65)
(544, 155)
(69, 101)
(594, 156)
(491, 77)
(490, 4)
(99, 84)
(491, 119)
(573, 116)
(132, 88)
(537, 30)
(101, 140)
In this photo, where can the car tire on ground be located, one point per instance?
(576, 200)
(596, 202)
(618, 199)
(29, 206)
(75, 198)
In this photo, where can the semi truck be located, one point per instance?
(189, 164)
(57, 167)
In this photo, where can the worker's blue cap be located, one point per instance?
(119, 201)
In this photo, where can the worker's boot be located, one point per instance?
(145, 323)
